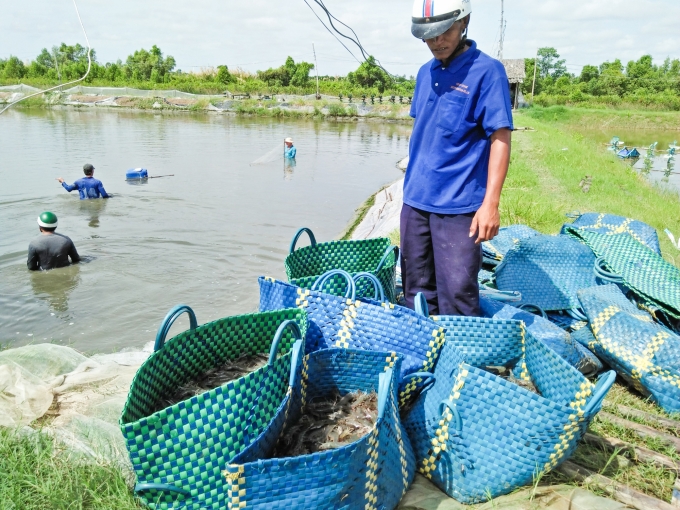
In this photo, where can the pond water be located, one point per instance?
(200, 238)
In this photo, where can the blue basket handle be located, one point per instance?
(167, 322)
(457, 420)
(379, 291)
(140, 487)
(297, 236)
(528, 307)
(384, 388)
(574, 215)
(575, 313)
(351, 287)
(429, 376)
(603, 274)
(601, 388)
(294, 328)
(295, 357)
(390, 249)
(504, 296)
(420, 305)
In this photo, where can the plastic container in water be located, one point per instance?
(136, 173)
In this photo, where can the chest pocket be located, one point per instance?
(450, 112)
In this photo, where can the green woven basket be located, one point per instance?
(376, 256)
(178, 453)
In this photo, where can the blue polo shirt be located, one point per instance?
(88, 187)
(456, 110)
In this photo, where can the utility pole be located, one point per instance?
(533, 87)
(500, 43)
(316, 66)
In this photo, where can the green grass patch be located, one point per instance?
(37, 475)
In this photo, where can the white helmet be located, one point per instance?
(431, 18)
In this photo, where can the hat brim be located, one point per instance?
(47, 225)
(431, 30)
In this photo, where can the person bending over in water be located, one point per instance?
(50, 250)
(88, 186)
(290, 150)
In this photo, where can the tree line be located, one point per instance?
(151, 69)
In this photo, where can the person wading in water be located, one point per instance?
(88, 186)
(459, 155)
(50, 250)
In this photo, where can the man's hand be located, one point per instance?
(60, 179)
(486, 222)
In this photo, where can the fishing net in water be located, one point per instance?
(275, 154)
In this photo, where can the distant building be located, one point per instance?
(516, 71)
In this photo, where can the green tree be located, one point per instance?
(549, 63)
(589, 73)
(149, 65)
(223, 75)
(289, 73)
(370, 75)
(14, 68)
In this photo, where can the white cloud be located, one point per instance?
(261, 33)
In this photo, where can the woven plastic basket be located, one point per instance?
(508, 237)
(645, 353)
(178, 452)
(477, 435)
(376, 256)
(610, 224)
(625, 261)
(365, 324)
(548, 271)
(542, 329)
(371, 473)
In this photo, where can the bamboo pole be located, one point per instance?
(641, 430)
(616, 490)
(641, 454)
(533, 86)
(657, 420)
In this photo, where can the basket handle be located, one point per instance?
(384, 387)
(295, 357)
(390, 249)
(297, 236)
(457, 420)
(574, 215)
(429, 376)
(504, 296)
(168, 321)
(294, 328)
(420, 305)
(603, 274)
(528, 307)
(140, 487)
(351, 287)
(379, 291)
(575, 313)
(601, 388)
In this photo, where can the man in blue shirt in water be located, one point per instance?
(88, 186)
(459, 154)
(290, 150)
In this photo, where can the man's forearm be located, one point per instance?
(499, 160)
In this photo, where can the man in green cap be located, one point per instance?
(50, 250)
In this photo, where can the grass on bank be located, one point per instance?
(35, 474)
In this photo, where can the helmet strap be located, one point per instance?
(458, 50)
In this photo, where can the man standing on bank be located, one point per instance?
(459, 155)
(87, 186)
(50, 250)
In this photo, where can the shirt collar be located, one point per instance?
(459, 61)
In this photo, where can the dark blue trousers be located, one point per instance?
(441, 260)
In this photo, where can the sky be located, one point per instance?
(259, 34)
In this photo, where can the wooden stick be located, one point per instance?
(616, 490)
(641, 454)
(157, 176)
(642, 430)
(653, 418)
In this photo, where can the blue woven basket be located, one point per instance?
(365, 324)
(542, 329)
(371, 473)
(508, 237)
(610, 224)
(376, 256)
(645, 353)
(478, 436)
(548, 271)
(178, 453)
